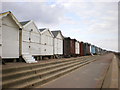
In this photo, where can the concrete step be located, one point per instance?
(39, 83)
(36, 74)
(23, 76)
(28, 58)
(20, 74)
(16, 69)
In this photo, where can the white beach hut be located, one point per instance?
(46, 42)
(10, 36)
(58, 43)
(77, 48)
(30, 40)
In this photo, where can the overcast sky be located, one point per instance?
(93, 22)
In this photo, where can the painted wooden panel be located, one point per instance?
(35, 37)
(32, 27)
(25, 35)
(43, 39)
(46, 40)
(58, 46)
(46, 43)
(25, 48)
(92, 49)
(59, 36)
(0, 51)
(49, 50)
(10, 36)
(47, 33)
(77, 48)
(46, 50)
(31, 36)
(55, 46)
(35, 49)
(43, 50)
(8, 21)
(0, 37)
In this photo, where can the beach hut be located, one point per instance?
(92, 49)
(30, 40)
(96, 50)
(77, 48)
(86, 49)
(67, 47)
(81, 45)
(72, 49)
(46, 43)
(9, 39)
(58, 43)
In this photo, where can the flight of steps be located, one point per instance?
(35, 75)
(28, 58)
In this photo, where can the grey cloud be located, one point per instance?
(37, 11)
(98, 20)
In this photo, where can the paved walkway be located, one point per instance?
(89, 76)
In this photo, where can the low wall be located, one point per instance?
(111, 78)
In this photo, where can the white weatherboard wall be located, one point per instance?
(77, 47)
(46, 43)
(25, 42)
(90, 48)
(31, 39)
(58, 44)
(0, 37)
(10, 38)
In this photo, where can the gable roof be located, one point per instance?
(4, 13)
(55, 33)
(67, 38)
(42, 29)
(27, 23)
(13, 17)
(24, 22)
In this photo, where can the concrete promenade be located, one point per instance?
(88, 76)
